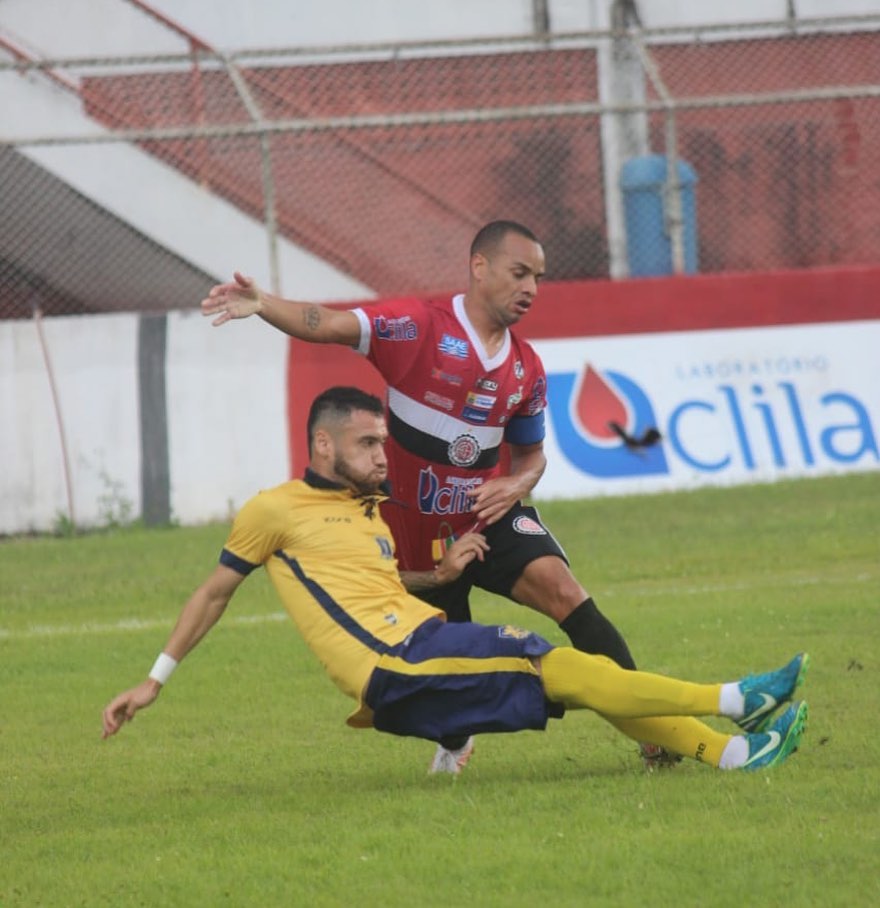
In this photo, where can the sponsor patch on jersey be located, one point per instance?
(487, 384)
(385, 546)
(464, 451)
(513, 633)
(395, 329)
(471, 414)
(528, 527)
(515, 398)
(481, 401)
(445, 495)
(449, 377)
(438, 400)
(454, 346)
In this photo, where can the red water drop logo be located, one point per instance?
(597, 405)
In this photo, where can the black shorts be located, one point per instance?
(516, 539)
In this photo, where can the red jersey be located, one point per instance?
(450, 407)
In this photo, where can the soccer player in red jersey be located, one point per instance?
(460, 383)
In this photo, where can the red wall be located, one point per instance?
(786, 185)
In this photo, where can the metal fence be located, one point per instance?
(631, 153)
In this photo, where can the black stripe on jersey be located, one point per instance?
(434, 449)
(239, 565)
(333, 609)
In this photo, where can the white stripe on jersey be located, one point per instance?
(440, 425)
(363, 346)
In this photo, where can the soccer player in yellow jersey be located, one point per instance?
(331, 559)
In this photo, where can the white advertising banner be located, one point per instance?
(730, 406)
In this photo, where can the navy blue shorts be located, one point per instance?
(450, 680)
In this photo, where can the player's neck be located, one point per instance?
(490, 332)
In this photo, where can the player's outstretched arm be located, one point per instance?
(241, 298)
(199, 615)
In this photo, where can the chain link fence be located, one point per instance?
(134, 184)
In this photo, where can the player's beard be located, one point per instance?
(363, 485)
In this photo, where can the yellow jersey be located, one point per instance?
(331, 559)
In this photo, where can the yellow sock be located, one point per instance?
(581, 681)
(683, 735)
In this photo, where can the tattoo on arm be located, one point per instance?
(414, 581)
(312, 318)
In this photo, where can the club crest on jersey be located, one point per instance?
(464, 451)
(453, 346)
(528, 527)
(518, 370)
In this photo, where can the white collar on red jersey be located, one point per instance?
(488, 363)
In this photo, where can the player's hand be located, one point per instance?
(459, 555)
(122, 708)
(494, 498)
(237, 299)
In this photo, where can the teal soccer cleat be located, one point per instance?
(762, 694)
(779, 741)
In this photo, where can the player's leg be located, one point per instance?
(466, 678)
(629, 699)
(547, 585)
(528, 565)
(690, 737)
(582, 681)
(683, 735)
(453, 752)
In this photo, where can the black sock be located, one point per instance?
(591, 632)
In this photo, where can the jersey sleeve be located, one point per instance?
(393, 333)
(256, 533)
(526, 425)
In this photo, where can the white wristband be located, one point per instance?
(162, 668)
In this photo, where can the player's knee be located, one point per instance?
(548, 585)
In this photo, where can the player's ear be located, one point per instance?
(479, 264)
(322, 443)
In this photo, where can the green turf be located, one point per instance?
(242, 786)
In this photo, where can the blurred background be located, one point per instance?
(349, 150)
(353, 149)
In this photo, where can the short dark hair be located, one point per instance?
(489, 237)
(338, 403)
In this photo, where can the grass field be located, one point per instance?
(242, 786)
